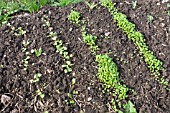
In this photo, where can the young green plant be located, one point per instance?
(74, 17)
(62, 51)
(91, 5)
(38, 52)
(89, 40)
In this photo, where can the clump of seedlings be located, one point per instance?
(25, 61)
(74, 17)
(154, 64)
(89, 40)
(72, 94)
(108, 74)
(62, 51)
(25, 44)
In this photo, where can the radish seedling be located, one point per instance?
(38, 52)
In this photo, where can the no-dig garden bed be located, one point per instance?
(52, 61)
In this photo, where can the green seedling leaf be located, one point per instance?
(91, 5)
(36, 78)
(134, 3)
(40, 93)
(38, 52)
(129, 108)
(73, 81)
(69, 95)
(150, 18)
(72, 102)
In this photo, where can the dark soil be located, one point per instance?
(149, 96)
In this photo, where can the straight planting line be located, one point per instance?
(62, 51)
(60, 48)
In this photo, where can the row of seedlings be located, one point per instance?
(25, 43)
(107, 69)
(67, 66)
(154, 64)
(60, 48)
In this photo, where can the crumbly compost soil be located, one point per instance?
(148, 96)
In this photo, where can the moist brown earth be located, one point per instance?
(148, 95)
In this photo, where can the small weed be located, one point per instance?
(70, 101)
(1, 66)
(73, 81)
(74, 17)
(45, 19)
(75, 92)
(168, 13)
(25, 43)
